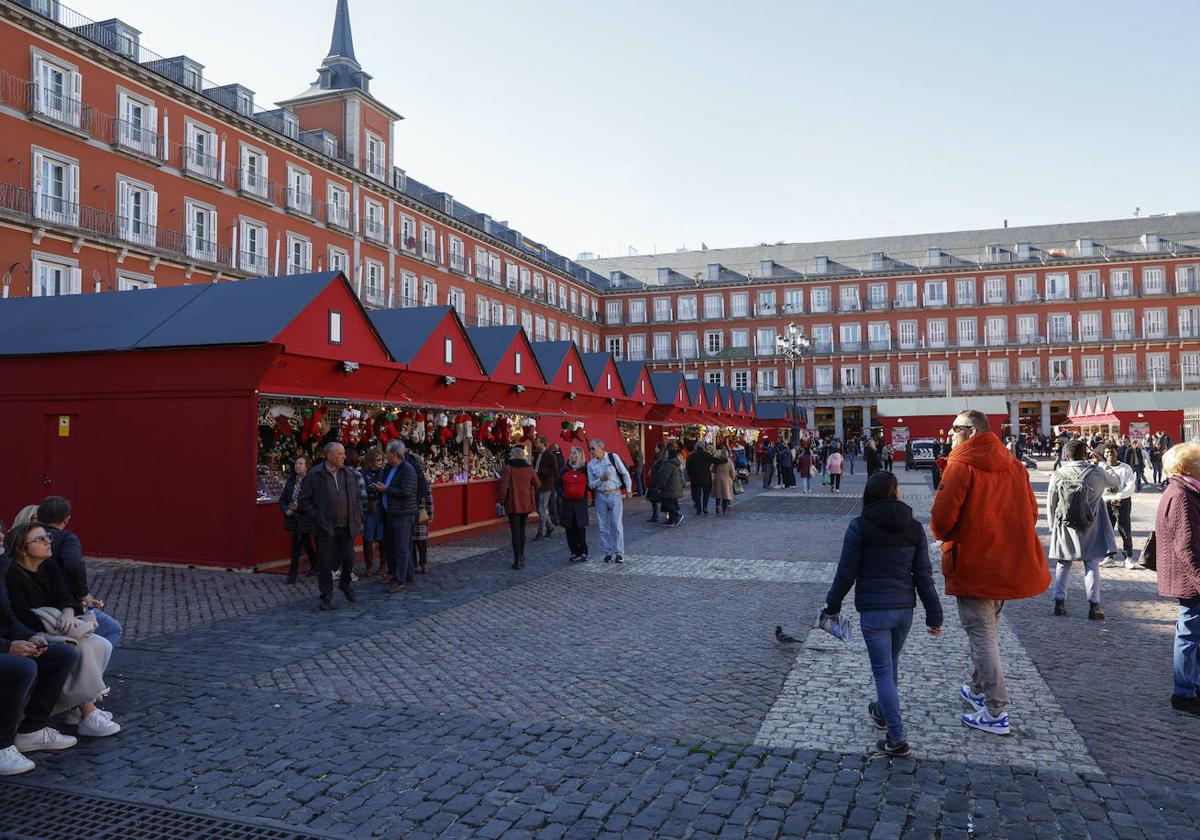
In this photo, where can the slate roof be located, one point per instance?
(231, 313)
(773, 411)
(594, 364)
(491, 344)
(713, 393)
(551, 355)
(694, 387)
(666, 385)
(630, 372)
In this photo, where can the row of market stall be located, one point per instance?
(171, 417)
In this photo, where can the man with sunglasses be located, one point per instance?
(985, 514)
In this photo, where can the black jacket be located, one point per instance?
(699, 467)
(43, 588)
(885, 557)
(11, 627)
(874, 461)
(403, 494)
(315, 505)
(666, 479)
(68, 556)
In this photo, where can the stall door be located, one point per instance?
(60, 462)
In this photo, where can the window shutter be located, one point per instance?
(74, 280)
(308, 256)
(73, 212)
(77, 95)
(123, 215)
(38, 159)
(152, 214)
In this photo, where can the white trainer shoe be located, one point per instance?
(44, 739)
(98, 724)
(12, 763)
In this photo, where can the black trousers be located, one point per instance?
(420, 551)
(302, 541)
(671, 508)
(700, 494)
(516, 523)
(1119, 516)
(577, 540)
(767, 471)
(31, 686)
(335, 554)
(835, 481)
(397, 548)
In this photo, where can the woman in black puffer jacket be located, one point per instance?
(885, 557)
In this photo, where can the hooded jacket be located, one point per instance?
(1067, 544)
(885, 557)
(666, 479)
(985, 513)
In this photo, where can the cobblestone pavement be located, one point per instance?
(648, 699)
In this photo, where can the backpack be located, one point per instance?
(574, 484)
(1075, 505)
(612, 459)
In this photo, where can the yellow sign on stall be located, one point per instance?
(64, 425)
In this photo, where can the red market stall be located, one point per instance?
(1137, 414)
(905, 419)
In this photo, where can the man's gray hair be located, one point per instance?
(598, 442)
(331, 447)
(977, 419)
(397, 447)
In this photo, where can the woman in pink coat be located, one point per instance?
(833, 466)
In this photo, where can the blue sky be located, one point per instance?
(658, 125)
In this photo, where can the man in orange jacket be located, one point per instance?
(985, 514)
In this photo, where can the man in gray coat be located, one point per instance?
(1077, 492)
(330, 506)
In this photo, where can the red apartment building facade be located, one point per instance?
(1037, 323)
(121, 169)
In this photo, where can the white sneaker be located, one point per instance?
(98, 725)
(44, 739)
(13, 763)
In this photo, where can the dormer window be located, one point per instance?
(517, 363)
(335, 327)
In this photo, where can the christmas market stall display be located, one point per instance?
(1136, 414)
(584, 413)
(143, 408)
(904, 419)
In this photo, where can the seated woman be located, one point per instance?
(34, 583)
(32, 674)
(54, 513)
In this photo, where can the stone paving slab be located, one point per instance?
(708, 568)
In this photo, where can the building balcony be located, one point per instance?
(202, 165)
(878, 306)
(374, 295)
(252, 263)
(375, 230)
(131, 137)
(54, 105)
(253, 185)
(298, 202)
(375, 169)
(458, 263)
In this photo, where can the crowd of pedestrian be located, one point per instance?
(55, 639)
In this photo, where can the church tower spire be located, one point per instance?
(340, 70)
(342, 45)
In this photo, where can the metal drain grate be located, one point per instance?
(30, 811)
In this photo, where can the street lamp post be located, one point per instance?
(792, 345)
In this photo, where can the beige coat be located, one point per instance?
(722, 485)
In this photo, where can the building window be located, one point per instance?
(686, 308)
(409, 295)
(539, 328)
(201, 233)
(1058, 327)
(483, 312)
(58, 91)
(910, 376)
(968, 375)
(1122, 325)
(1120, 282)
(1058, 286)
(996, 331)
(662, 309)
(879, 336)
(714, 306)
(429, 249)
(966, 332)
(428, 292)
(939, 375)
(851, 336)
(252, 177)
(739, 305)
(741, 380)
(1153, 281)
(1089, 284)
(1060, 372)
(1154, 323)
(687, 345)
(55, 277)
(376, 163)
(1093, 370)
(994, 289)
(637, 310)
(458, 255)
(493, 272)
(338, 208)
(739, 339)
(339, 260)
(906, 334)
(662, 345)
(200, 152)
(55, 188)
(136, 128)
(1030, 371)
(564, 332)
(881, 376)
(714, 377)
(299, 190)
(373, 223)
(1186, 282)
(876, 296)
(935, 292)
(1125, 369)
(1189, 322)
(458, 300)
(137, 212)
(373, 291)
(906, 294)
(713, 341)
(964, 291)
(133, 282)
(765, 341)
(448, 351)
(253, 251)
(574, 301)
(1026, 288)
(1027, 329)
(848, 299)
(768, 381)
(1089, 326)
(299, 254)
(766, 302)
(936, 332)
(335, 327)
(612, 312)
(637, 348)
(614, 345)
(997, 372)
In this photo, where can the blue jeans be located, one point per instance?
(850, 459)
(608, 515)
(107, 627)
(884, 632)
(1187, 648)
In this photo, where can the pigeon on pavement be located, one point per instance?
(783, 638)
